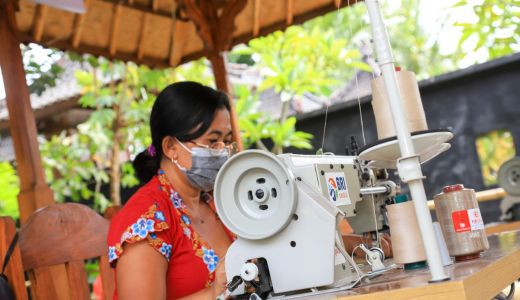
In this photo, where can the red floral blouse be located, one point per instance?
(157, 214)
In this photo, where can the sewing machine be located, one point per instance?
(285, 211)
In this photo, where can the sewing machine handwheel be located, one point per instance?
(509, 176)
(255, 194)
(379, 251)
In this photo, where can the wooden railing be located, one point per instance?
(482, 196)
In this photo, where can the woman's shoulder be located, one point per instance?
(144, 217)
(146, 200)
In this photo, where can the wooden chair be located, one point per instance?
(14, 270)
(54, 243)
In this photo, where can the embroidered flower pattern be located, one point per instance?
(187, 232)
(210, 259)
(112, 253)
(176, 199)
(200, 247)
(186, 219)
(160, 216)
(144, 228)
(166, 250)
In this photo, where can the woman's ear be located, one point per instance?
(170, 146)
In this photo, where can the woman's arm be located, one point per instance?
(216, 289)
(141, 273)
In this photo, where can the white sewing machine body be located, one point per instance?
(285, 210)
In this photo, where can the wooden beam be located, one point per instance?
(155, 5)
(112, 48)
(189, 56)
(39, 21)
(140, 45)
(200, 19)
(146, 8)
(179, 33)
(226, 25)
(34, 191)
(297, 19)
(77, 27)
(256, 17)
(290, 12)
(337, 3)
(48, 111)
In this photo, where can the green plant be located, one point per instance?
(412, 46)
(494, 30)
(494, 148)
(295, 62)
(9, 189)
(256, 126)
(120, 96)
(41, 67)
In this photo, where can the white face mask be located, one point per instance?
(205, 164)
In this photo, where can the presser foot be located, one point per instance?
(255, 277)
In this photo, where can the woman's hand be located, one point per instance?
(220, 283)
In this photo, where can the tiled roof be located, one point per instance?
(66, 88)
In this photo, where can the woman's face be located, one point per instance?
(218, 131)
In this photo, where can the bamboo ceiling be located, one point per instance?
(150, 31)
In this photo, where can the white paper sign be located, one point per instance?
(475, 219)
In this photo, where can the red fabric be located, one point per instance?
(155, 213)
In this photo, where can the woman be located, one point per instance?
(167, 242)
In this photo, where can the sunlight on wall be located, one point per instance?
(494, 148)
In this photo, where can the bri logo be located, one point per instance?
(337, 187)
(333, 190)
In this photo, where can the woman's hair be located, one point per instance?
(184, 110)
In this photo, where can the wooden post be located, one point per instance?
(218, 65)
(215, 25)
(34, 191)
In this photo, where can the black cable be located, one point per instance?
(510, 295)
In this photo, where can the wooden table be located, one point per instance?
(482, 278)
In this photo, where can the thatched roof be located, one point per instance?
(153, 32)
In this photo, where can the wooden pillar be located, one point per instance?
(218, 65)
(34, 191)
(215, 24)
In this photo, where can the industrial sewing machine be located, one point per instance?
(285, 210)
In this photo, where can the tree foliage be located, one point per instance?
(257, 126)
(9, 189)
(494, 30)
(97, 152)
(299, 60)
(494, 148)
(413, 48)
(42, 67)
(295, 62)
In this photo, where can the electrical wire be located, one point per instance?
(325, 126)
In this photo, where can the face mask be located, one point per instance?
(205, 164)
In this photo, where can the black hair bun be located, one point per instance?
(145, 166)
